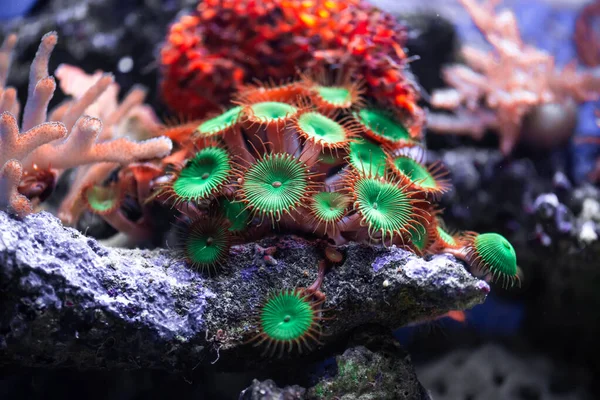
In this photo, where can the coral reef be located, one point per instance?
(115, 308)
(513, 88)
(272, 39)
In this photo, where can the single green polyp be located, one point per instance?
(206, 243)
(367, 157)
(382, 124)
(272, 110)
(220, 123)
(415, 171)
(287, 316)
(496, 253)
(102, 199)
(275, 184)
(237, 214)
(336, 95)
(321, 128)
(202, 175)
(384, 206)
(329, 206)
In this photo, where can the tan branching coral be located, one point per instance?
(501, 88)
(44, 147)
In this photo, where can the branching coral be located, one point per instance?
(511, 89)
(35, 155)
(225, 44)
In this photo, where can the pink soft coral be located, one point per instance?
(499, 89)
(45, 146)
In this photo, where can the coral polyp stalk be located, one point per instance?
(106, 201)
(269, 118)
(322, 133)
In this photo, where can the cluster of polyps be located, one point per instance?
(311, 157)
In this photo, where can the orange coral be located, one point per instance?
(227, 43)
(501, 88)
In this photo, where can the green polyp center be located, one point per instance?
(418, 236)
(205, 245)
(276, 183)
(415, 171)
(203, 174)
(286, 317)
(446, 237)
(329, 206)
(321, 128)
(335, 95)
(382, 124)
(385, 206)
(271, 110)
(496, 253)
(102, 199)
(220, 123)
(367, 157)
(237, 214)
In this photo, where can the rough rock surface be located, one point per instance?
(373, 367)
(268, 390)
(65, 300)
(377, 367)
(492, 372)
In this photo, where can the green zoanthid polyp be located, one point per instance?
(272, 110)
(220, 123)
(321, 129)
(367, 157)
(381, 125)
(275, 184)
(205, 242)
(203, 175)
(336, 95)
(387, 208)
(493, 253)
(288, 318)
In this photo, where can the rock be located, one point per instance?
(492, 372)
(66, 300)
(377, 369)
(268, 390)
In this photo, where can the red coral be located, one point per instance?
(227, 43)
(587, 38)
